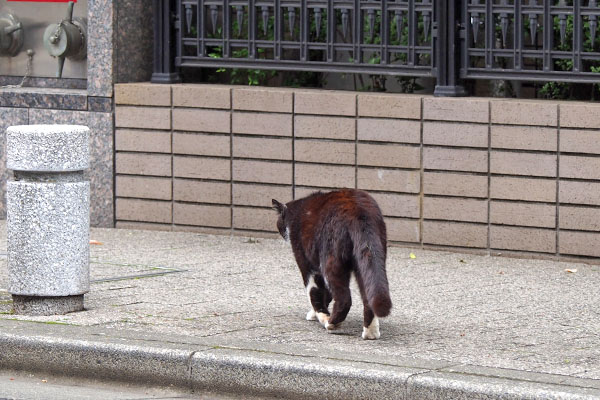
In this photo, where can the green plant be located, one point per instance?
(563, 90)
(408, 84)
(242, 76)
(252, 76)
(376, 82)
(596, 86)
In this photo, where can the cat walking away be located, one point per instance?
(336, 235)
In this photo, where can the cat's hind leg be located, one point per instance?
(338, 278)
(370, 321)
(311, 315)
(371, 332)
(319, 298)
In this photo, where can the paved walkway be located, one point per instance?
(227, 313)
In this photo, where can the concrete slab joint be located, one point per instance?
(48, 218)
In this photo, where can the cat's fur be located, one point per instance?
(336, 235)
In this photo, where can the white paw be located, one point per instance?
(311, 315)
(372, 331)
(323, 318)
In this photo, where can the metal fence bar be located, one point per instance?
(384, 29)
(489, 34)
(304, 31)
(412, 22)
(330, 31)
(548, 42)
(201, 29)
(577, 37)
(278, 35)
(518, 38)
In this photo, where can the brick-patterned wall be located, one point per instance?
(510, 176)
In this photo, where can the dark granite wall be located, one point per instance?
(134, 41)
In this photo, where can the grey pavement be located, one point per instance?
(227, 314)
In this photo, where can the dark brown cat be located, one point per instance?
(336, 235)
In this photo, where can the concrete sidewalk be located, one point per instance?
(227, 313)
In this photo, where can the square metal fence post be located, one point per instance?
(164, 42)
(447, 48)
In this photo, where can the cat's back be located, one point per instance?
(345, 203)
(334, 214)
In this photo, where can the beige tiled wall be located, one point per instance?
(492, 175)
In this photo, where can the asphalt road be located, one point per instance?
(28, 386)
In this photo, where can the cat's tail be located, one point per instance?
(370, 253)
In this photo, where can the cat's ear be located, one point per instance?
(278, 206)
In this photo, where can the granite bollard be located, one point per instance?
(48, 223)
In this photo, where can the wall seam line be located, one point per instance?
(114, 159)
(294, 145)
(232, 229)
(422, 173)
(172, 160)
(557, 250)
(489, 181)
(356, 142)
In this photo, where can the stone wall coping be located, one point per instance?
(302, 90)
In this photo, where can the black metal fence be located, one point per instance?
(531, 40)
(450, 40)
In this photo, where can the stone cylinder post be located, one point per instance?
(47, 207)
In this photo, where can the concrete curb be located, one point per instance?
(247, 371)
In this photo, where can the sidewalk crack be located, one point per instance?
(190, 369)
(406, 382)
(418, 373)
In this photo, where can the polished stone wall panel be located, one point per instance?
(73, 99)
(101, 49)
(134, 40)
